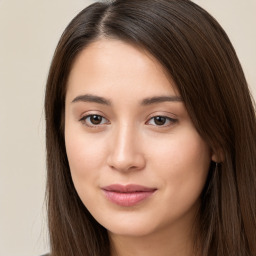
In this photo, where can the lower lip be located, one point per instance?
(129, 198)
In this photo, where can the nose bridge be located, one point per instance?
(126, 150)
(125, 140)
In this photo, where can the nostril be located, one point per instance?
(127, 163)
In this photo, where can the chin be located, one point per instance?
(130, 230)
(133, 224)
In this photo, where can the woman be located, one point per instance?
(150, 132)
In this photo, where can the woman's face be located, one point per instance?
(136, 160)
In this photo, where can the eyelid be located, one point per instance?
(171, 120)
(90, 114)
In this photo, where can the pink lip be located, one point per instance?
(128, 195)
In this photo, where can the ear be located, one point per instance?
(218, 156)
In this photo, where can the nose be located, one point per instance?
(126, 152)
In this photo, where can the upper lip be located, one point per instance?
(128, 188)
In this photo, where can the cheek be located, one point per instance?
(85, 155)
(187, 152)
(183, 164)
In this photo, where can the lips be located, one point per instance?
(129, 195)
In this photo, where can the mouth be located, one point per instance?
(128, 195)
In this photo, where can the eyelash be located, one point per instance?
(88, 118)
(170, 121)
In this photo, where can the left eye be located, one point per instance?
(93, 120)
(161, 121)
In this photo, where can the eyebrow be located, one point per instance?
(91, 98)
(144, 102)
(159, 99)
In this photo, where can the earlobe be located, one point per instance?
(218, 156)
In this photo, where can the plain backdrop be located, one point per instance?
(29, 31)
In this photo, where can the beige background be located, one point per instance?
(29, 31)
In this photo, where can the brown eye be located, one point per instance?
(95, 119)
(160, 120)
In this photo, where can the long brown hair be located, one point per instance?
(199, 57)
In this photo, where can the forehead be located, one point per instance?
(109, 64)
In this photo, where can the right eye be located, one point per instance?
(93, 120)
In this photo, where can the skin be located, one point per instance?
(129, 146)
